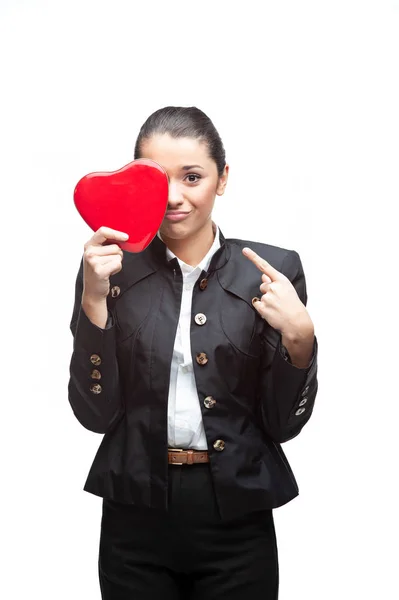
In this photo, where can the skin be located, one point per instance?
(282, 308)
(194, 191)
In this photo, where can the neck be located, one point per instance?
(192, 249)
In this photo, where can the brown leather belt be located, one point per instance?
(176, 456)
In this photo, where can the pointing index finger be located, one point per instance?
(261, 263)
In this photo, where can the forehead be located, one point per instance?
(174, 153)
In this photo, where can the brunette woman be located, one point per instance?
(197, 360)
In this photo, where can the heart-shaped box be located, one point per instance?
(132, 199)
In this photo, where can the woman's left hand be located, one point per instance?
(280, 304)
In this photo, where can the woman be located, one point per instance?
(197, 359)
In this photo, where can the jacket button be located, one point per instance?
(96, 388)
(95, 360)
(203, 284)
(255, 300)
(303, 401)
(202, 358)
(95, 374)
(200, 319)
(115, 291)
(305, 391)
(219, 445)
(209, 402)
(300, 411)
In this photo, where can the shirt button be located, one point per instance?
(219, 445)
(300, 411)
(200, 319)
(202, 358)
(96, 388)
(95, 374)
(203, 284)
(303, 401)
(209, 402)
(95, 360)
(188, 287)
(115, 291)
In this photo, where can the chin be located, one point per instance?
(175, 231)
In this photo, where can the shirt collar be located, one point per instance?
(205, 262)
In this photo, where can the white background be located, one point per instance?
(305, 97)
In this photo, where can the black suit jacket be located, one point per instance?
(262, 400)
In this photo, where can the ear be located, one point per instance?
(222, 181)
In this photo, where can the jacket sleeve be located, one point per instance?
(287, 392)
(94, 386)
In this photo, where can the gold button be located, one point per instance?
(203, 284)
(115, 291)
(200, 319)
(255, 300)
(209, 402)
(219, 445)
(95, 360)
(95, 374)
(202, 358)
(96, 388)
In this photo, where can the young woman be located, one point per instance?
(197, 359)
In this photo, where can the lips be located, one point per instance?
(176, 215)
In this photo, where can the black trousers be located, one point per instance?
(187, 553)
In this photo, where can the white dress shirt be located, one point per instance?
(185, 427)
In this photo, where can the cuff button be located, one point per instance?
(95, 360)
(96, 388)
(300, 411)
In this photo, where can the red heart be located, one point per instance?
(132, 199)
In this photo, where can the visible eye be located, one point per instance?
(193, 175)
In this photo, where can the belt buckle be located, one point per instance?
(175, 450)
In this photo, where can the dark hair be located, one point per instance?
(178, 121)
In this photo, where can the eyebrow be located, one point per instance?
(188, 167)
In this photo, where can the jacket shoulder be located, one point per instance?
(282, 259)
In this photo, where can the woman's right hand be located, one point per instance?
(101, 259)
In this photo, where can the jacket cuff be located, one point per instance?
(286, 356)
(94, 339)
(301, 386)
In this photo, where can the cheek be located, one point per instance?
(203, 196)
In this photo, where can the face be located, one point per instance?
(193, 183)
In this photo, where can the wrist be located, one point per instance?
(96, 310)
(93, 301)
(302, 331)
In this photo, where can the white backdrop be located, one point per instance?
(305, 97)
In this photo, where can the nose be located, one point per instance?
(175, 195)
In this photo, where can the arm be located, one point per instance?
(283, 385)
(92, 344)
